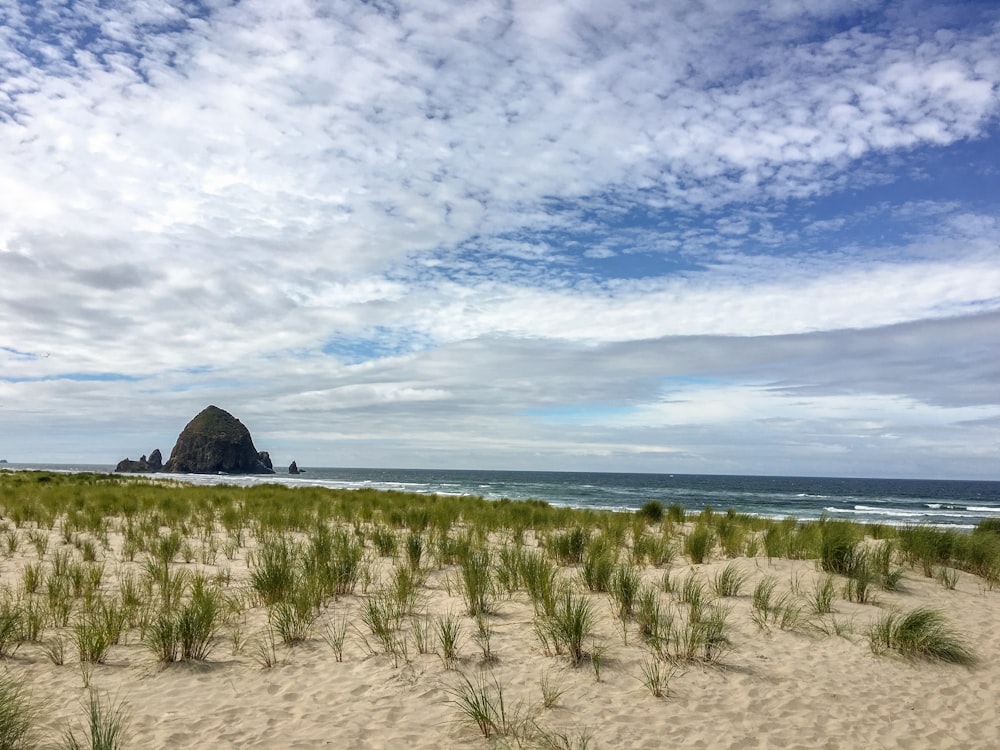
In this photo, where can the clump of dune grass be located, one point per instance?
(703, 637)
(571, 624)
(484, 637)
(449, 635)
(510, 564)
(927, 547)
(539, 577)
(833, 626)
(293, 618)
(554, 739)
(654, 619)
(414, 549)
(10, 627)
(651, 511)
(404, 586)
(334, 634)
(698, 544)
(264, 649)
(947, 577)
(732, 534)
(18, 715)
(485, 704)
(769, 608)
(478, 588)
(92, 638)
(32, 577)
(273, 568)
(676, 513)
(568, 546)
(921, 633)
(691, 591)
(625, 585)
(656, 676)
(422, 632)
(598, 564)
(107, 723)
(837, 546)
(186, 631)
(729, 581)
(552, 691)
(385, 541)
(382, 616)
(658, 551)
(822, 596)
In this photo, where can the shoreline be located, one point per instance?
(943, 504)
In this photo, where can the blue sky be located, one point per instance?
(720, 236)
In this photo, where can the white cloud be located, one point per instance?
(226, 204)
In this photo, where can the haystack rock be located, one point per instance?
(216, 442)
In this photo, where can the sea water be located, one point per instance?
(959, 504)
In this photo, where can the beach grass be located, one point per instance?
(106, 726)
(483, 702)
(18, 715)
(107, 567)
(923, 633)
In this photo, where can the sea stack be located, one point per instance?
(152, 464)
(293, 468)
(216, 442)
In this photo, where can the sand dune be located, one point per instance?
(772, 688)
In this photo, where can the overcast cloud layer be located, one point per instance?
(717, 236)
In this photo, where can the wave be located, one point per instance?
(862, 510)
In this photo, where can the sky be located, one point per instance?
(679, 236)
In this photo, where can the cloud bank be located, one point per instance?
(679, 236)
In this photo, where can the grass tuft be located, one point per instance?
(729, 581)
(922, 633)
(484, 703)
(107, 722)
(17, 715)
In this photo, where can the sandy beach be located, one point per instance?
(780, 678)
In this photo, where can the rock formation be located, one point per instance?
(144, 465)
(214, 442)
(293, 468)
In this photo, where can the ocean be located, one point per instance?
(957, 504)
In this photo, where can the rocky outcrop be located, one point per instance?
(293, 468)
(216, 442)
(142, 466)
